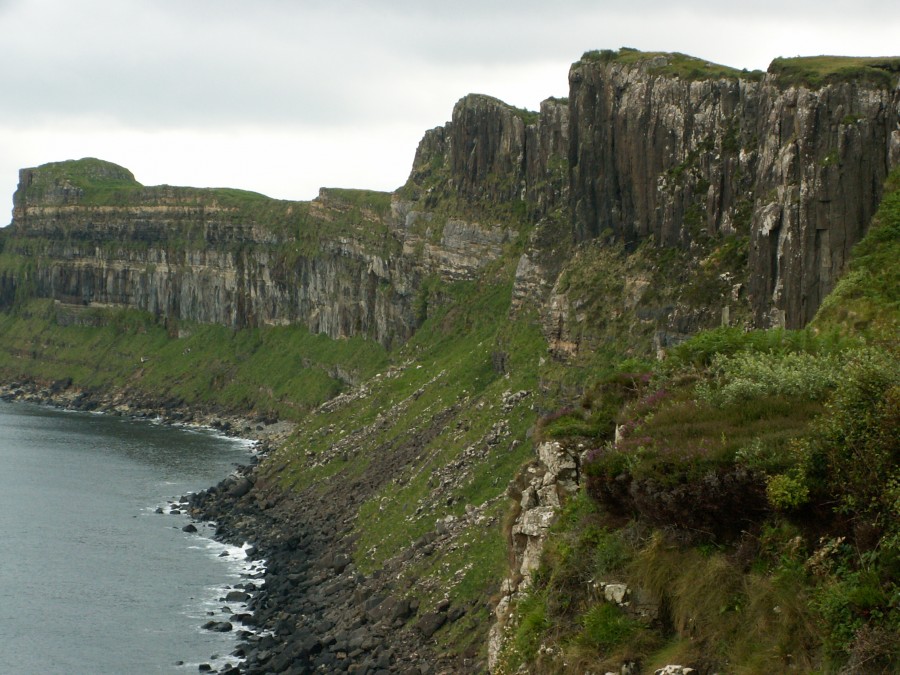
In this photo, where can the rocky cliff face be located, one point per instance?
(659, 148)
(494, 159)
(189, 256)
(657, 152)
(687, 155)
(348, 263)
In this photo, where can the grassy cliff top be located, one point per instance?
(89, 182)
(809, 71)
(673, 64)
(95, 182)
(72, 180)
(815, 71)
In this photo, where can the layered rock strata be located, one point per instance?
(797, 169)
(194, 255)
(638, 151)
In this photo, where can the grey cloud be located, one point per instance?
(276, 64)
(163, 63)
(181, 70)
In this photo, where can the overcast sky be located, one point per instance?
(285, 96)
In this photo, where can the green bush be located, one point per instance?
(752, 375)
(703, 348)
(610, 554)
(761, 456)
(605, 626)
(787, 491)
(858, 439)
(575, 423)
(848, 603)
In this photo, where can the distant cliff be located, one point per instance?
(85, 233)
(648, 147)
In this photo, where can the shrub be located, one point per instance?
(848, 604)
(704, 347)
(610, 553)
(858, 438)
(605, 626)
(760, 456)
(750, 375)
(787, 491)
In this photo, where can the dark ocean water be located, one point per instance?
(92, 580)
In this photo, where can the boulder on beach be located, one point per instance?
(240, 488)
(237, 596)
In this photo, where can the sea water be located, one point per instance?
(92, 579)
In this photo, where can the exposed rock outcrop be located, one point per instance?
(539, 489)
(496, 157)
(639, 151)
(797, 169)
(348, 263)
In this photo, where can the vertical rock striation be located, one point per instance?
(190, 255)
(821, 159)
(658, 151)
(657, 148)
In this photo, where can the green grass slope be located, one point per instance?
(280, 371)
(431, 438)
(750, 502)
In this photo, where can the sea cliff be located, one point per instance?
(548, 317)
(648, 147)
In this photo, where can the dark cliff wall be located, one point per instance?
(679, 151)
(189, 254)
(648, 147)
(492, 160)
(657, 153)
(823, 156)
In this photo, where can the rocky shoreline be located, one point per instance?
(313, 610)
(316, 612)
(267, 432)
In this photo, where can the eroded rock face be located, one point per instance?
(634, 154)
(208, 264)
(552, 478)
(822, 158)
(182, 255)
(797, 170)
(507, 163)
(486, 144)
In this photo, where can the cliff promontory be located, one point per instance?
(648, 147)
(603, 387)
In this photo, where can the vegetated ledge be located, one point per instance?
(673, 64)
(95, 182)
(817, 71)
(808, 71)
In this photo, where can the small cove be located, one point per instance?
(92, 579)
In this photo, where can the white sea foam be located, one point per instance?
(212, 606)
